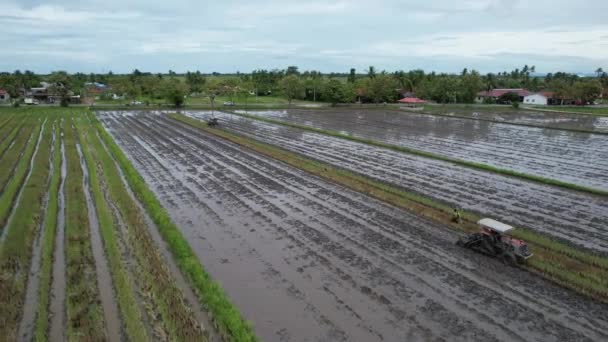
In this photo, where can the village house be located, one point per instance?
(4, 96)
(495, 94)
(542, 98)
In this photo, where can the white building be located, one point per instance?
(536, 99)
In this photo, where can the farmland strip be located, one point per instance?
(21, 231)
(40, 328)
(14, 187)
(12, 158)
(10, 139)
(553, 259)
(84, 313)
(104, 280)
(462, 162)
(57, 308)
(225, 314)
(26, 328)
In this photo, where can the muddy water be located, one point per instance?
(58, 286)
(579, 158)
(306, 260)
(570, 216)
(104, 280)
(26, 326)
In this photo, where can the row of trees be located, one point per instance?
(311, 85)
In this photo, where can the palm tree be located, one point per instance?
(599, 72)
(371, 72)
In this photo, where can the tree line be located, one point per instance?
(368, 86)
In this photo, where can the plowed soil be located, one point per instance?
(306, 260)
(577, 218)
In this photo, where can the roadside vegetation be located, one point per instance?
(571, 267)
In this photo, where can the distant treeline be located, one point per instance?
(367, 86)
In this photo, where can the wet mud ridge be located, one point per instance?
(308, 260)
(574, 217)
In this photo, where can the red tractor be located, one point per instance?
(492, 240)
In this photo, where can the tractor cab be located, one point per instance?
(493, 239)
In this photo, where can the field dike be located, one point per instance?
(465, 163)
(570, 267)
(224, 315)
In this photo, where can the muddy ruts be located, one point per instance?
(84, 313)
(571, 216)
(572, 157)
(342, 265)
(20, 231)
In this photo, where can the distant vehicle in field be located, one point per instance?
(212, 122)
(492, 240)
(136, 103)
(30, 101)
(228, 103)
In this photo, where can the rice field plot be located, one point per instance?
(566, 156)
(528, 117)
(305, 259)
(571, 216)
(78, 257)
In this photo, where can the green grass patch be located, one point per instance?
(131, 317)
(48, 244)
(224, 314)
(465, 163)
(574, 268)
(16, 249)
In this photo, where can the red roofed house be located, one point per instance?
(412, 101)
(4, 96)
(496, 93)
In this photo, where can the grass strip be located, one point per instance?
(46, 257)
(131, 316)
(15, 183)
(225, 315)
(465, 163)
(570, 267)
(16, 250)
(154, 274)
(84, 313)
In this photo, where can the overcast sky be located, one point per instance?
(230, 35)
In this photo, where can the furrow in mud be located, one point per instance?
(570, 216)
(26, 327)
(346, 266)
(104, 280)
(58, 285)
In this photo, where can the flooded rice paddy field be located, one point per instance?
(573, 157)
(530, 117)
(575, 217)
(306, 260)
